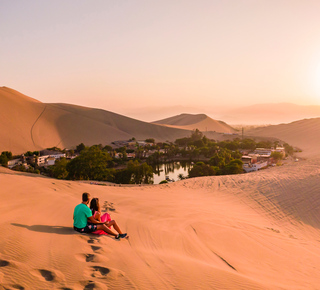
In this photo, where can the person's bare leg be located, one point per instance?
(115, 226)
(106, 229)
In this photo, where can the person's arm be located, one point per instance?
(94, 221)
(97, 216)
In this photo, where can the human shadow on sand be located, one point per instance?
(48, 229)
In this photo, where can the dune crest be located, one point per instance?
(303, 134)
(27, 124)
(198, 121)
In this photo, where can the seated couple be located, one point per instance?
(91, 221)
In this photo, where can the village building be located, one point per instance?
(246, 159)
(255, 167)
(118, 155)
(131, 155)
(263, 151)
(14, 162)
(50, 159)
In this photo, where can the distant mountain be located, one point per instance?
(198, 121)
(27, 124)
(270, 114)
(152, 113)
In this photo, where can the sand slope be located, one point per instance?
(18, 113)
(27, 124)
(250, 231)
(198, 121)
(303, 134)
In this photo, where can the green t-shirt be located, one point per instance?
(81, 215)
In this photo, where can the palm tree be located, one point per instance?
(181, 176)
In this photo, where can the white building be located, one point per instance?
(14, 162)
(263, 151)
(48, 160)
(255, 167)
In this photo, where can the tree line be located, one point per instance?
(98, 162)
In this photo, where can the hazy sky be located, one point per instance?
(120, 55)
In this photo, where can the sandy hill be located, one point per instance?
(248, 231)
(270, 114)
(303, 134)
(27, 124)
(198, 121)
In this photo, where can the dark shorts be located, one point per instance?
(89, 228)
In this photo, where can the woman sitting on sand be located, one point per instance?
(105, 218)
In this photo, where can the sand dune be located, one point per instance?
(249, 231)
(198, 121)
(303, 134)
(27, 124)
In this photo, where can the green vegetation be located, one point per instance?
(202, 169)
(131, 162)
(95, 163)
(91, 164)
(5, 157)
(150, 140)
(277, 156)
(163, 182)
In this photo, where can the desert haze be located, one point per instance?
(249, 231)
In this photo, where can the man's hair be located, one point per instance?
(85, 196)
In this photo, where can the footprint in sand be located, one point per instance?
(16, 286)
(90, 258)
(100, 271)
(47, 275)
(90, 285)
(95, 249)
(4, 263)
(93, 240)
(108, 206)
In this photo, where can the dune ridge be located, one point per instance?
(196, 121)
(27, 124)
(303, 134)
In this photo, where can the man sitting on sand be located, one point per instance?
(83, 221)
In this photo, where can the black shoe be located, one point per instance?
(118, 237)
(122, 235)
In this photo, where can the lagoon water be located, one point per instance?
(172, 169)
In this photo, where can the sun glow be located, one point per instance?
(315, 83)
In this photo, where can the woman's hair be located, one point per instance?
(94, 205)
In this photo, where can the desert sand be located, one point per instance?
(249, 231)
